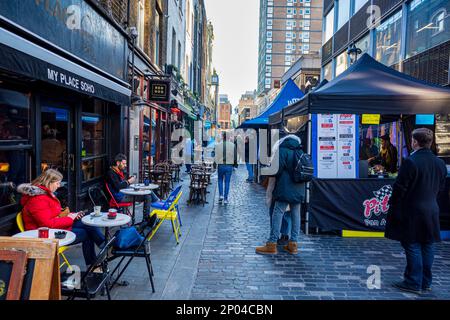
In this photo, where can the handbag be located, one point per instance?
(127, 238)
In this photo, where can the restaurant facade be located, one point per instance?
(64, 96)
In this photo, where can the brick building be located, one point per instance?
(225, 110)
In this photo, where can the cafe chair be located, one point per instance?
(141, 251)
(168, 214)
(125, 206)
(91, 283)
(166, 204)
(61, 250)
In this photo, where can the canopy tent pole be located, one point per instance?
(309, 149)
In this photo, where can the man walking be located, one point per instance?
(226, 159)
(286, 192)
(413, 217)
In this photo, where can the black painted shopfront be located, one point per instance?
(62, 105)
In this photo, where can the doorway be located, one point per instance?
(57, 147)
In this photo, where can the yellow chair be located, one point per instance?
(61, 250)
(169, 214)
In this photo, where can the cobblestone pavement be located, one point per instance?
(327, 267)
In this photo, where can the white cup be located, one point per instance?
(97, 211)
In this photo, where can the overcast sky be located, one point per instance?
(235, 53)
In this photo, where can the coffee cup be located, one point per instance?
(112, 213)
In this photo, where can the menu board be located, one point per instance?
(442, 133)
(336, 146)
(327, 146)
(346, 146)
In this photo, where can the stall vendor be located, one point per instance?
(387, 157)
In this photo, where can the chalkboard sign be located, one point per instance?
(12, 271)
(29, 269)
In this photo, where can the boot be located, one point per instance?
(291, 247)
(269, 248)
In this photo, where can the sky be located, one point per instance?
(235, 53)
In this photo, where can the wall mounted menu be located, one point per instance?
(442, 133)
(346, 146)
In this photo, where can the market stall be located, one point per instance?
(359, 129)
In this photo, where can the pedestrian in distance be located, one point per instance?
(286, 193)
(226, 160)
(413, 217)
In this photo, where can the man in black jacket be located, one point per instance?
(115, 178)
(413, 217)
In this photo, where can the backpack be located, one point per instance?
(303, 167)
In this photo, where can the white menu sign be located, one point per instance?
(327, 146)
(346, 153)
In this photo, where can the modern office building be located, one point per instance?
(411, 36)
(288, 29)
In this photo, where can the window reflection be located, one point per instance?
(13, 171)
(388, 37)
(14, 116)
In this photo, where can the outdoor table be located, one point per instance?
(142, 186)
(104, 222)
(134, 194)
(70, 236)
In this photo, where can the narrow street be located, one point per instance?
(216, 258)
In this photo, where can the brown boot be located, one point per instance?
(269, 248)
(291, 247)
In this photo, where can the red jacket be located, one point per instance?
(41, 209)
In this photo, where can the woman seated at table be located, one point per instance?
(387, 158)
(41, 208)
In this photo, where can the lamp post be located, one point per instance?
(353, 52)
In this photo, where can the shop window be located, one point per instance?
(358, 5)
(428, 25)
(388, 36)
(15, 145)
(93, 143)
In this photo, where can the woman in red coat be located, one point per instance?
(41, 208)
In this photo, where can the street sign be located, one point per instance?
(159, 91)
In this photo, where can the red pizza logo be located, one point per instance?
(379, 204)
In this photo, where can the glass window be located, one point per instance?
(388, 36)
(14, 132)
(341, 63)
(428, 25)
(328, 26)
(327, 71)
(359, 4)
(14, 116)
(343, 12)
(93, 144)
(363, 44)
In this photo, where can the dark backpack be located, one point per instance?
(303, 168)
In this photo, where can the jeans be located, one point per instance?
(285, 223)
(88, 236)
(277, 217)
(419, 261)
(224, 172)
(250, 171)
(148, 200)
(188, 167)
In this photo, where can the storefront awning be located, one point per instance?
(21, 56)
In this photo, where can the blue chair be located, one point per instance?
(165, 205)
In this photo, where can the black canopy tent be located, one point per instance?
(367, 87)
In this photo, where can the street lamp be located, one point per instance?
(353, 52)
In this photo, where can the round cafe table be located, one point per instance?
(135, 193)
(104, 222)
(70, 236)
(142, 186)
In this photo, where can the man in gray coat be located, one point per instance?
(413, 217)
